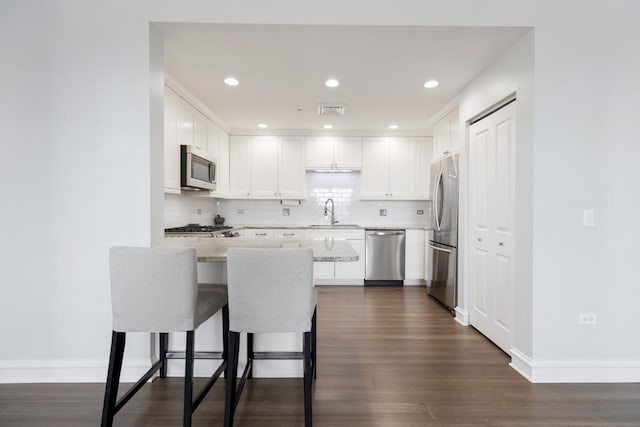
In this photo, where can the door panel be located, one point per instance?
(492, 205)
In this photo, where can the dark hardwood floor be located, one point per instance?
(387, 357)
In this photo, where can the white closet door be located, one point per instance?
(491, 160)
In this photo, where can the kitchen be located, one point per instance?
(557, 283)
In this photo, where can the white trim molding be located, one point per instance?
(67, 371)
(462, 316)
(575, 371)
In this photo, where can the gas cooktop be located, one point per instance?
(197, 228)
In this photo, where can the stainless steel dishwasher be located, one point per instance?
(384, 257)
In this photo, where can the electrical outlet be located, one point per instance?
(420, 212)
(286, 212)
(588, 218)
(240, 211)
(383, 212)
(199, 211)
(587, 319)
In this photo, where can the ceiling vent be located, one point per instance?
(331, 109)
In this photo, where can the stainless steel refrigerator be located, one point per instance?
(442, 248)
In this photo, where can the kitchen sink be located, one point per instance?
(334, 226)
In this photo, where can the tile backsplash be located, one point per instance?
(343, 188)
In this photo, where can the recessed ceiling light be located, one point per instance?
(393, 127)
(431, 84)
(231, 81)
(262, 126)
(328, 126)
(332, 83)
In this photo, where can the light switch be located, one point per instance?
(588, 218)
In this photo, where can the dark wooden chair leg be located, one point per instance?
(250, 354)
(225, 333)
(188, 380)
(113, 378)
(308, 379)
(231, 377)
(164, 347)
(314, 347)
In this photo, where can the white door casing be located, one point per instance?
(491, 278)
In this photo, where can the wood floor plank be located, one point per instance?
(388, 356)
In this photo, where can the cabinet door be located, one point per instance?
(239, 167)
(414, 254)
(213, 139)
(441, 137)
(352, 269)
(375, 169)
(171, 145)
(319, 153)
(402, 167)
(200, 130)
(424, 150)
(288, 234)
(454, 132)
(264, 167)
(291, 167)
(186, 117)
(348, 153)
(222, 165)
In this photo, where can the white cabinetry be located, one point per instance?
(256, 233)
(184, 124)
(339, 273)
(424, 158)
(267, 167)
(171, 144)
(414, 256)
(288, 233)
(239, 167)
(334, 153)
(446, 132)
(395, 168)
(264, 167)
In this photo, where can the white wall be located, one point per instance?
(512, 73)
(75, 98)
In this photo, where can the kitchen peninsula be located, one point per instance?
(212, 256)
(215, 250)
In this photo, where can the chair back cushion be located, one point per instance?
(153, 289)
(270, 290)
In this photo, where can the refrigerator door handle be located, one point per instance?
(435, 200)
(439, 249)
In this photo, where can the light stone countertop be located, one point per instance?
(215, 250)
(329, 227)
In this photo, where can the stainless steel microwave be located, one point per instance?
(197, 169)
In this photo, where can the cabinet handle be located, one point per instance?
(288, 234)
(275, 194)
(248, 194)
(479, 239)
(501, 244)
(261, 234)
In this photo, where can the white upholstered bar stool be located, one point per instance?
(270, 290)
(156, 290)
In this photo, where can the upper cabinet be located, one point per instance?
(396, 168)
(446, 132)
(267, 167)
(184, 124)
(334, 153)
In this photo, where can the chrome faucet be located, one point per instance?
(334, 221)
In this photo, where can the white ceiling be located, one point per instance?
(282, 70)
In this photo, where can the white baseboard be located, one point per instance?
(575, 371)
(67, 371)
(414, 282)
(339, 282)
(462, 316)
(95, 371)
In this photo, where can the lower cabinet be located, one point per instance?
(339, 273)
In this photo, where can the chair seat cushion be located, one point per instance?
(211, 298)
